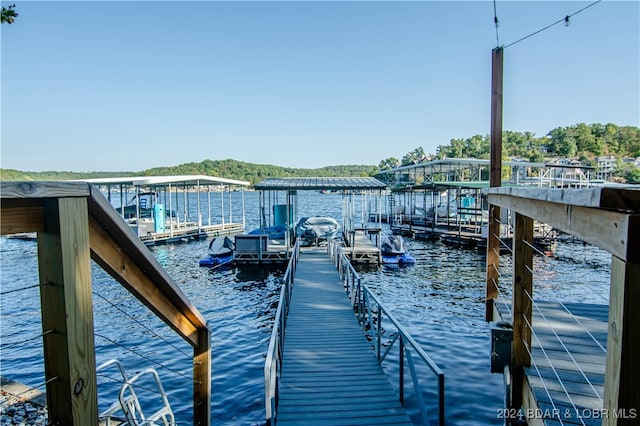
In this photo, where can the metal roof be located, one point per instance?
(452, 164)
(319, 183)
(447, 185)
(164, 180)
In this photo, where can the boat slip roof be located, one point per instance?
(453, 164)
(319, 183)
(165, 180)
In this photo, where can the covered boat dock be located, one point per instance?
(279, 207)
(163, 209)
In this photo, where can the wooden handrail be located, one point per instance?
(64, 214)
(608, 218)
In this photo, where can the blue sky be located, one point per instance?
(126, 86)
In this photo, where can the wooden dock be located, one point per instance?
(361, 249)
(191, 231)
(329, 371)
(568, 357)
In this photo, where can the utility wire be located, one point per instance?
(565, 20)
(496, 22)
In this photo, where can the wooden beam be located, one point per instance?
(495, 159)
(105, 217)
(620, 199)
(121, 266)
(530, 406)
(521, 304)
(21, 215)
(54, 189)
(202, 379)
(67, 313)
(622, 371)
(616, 232)
(495, 180)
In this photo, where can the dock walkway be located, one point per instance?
(329, 372)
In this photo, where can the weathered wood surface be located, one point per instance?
(621, 199)
(152, 280)
(622, 368)
(27, 207)
(362, 243)
(13, 190)
(566, 334)
(614, 231)
(21, 216)
(329, 372)
(522, 289)
(67, 313)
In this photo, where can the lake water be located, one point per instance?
(440, 301)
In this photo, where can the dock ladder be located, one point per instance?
(128, 404)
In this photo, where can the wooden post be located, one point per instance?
(521, 304)
(495, 179)
(67, 313)
(622, 371)
(202, 379)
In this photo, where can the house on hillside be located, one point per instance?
(569, 172)
(606, 166)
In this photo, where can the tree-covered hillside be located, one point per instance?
(230, 169)
(254, 173)
(17, 175)
(582, 141)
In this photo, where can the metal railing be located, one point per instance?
(272, 365)
(370, 313)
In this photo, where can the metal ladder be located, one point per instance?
(126, 410)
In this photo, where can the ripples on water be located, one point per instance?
(440, 301)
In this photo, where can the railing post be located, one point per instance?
(441, 399)
(202, 379)
(67, 312)
(521, 304)
(401, 370)
(379, 333)
(622, 369)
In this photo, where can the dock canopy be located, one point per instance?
(163, 180)
(320, 183)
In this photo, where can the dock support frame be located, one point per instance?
(67, 313)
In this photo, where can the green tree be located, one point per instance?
(633, 175)
(414, 157)
(562, 142)
(477, 146)
(389, 163)
(8, 15)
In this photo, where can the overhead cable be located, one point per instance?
(565, 19)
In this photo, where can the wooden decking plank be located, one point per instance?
(566, 334)
(577, 388)
(334, 407)
(372, 411)
(388, 420)
(296, 405)
(569, 376)
(329, 371)
(324, 383)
